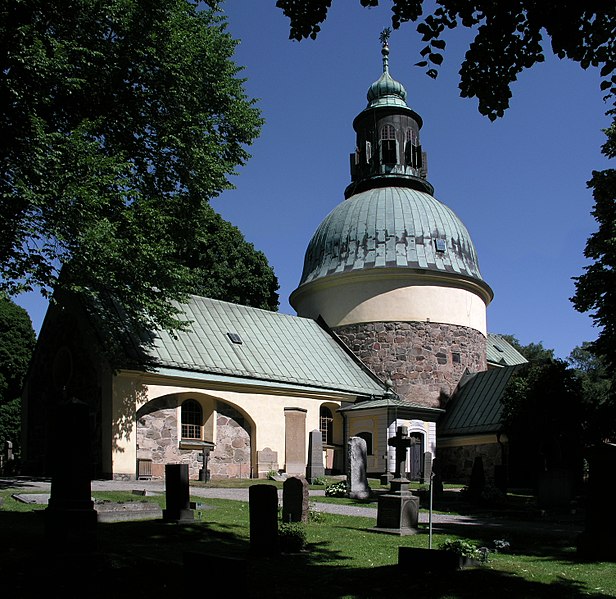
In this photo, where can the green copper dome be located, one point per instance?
(391, 227)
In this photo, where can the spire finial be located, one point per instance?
(384, 39)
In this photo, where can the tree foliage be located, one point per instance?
(595, 289)
(119, 120)
(225, 266)
(544, 419)
(17, 341)
(509, 37)
(598, 397)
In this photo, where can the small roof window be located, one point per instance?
(440, 245)
(235, 338)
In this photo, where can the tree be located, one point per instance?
(543, 416)
(17, 341)
(119, 120)
(225, 266)
(597, 394)
(535, 353)
(595, 289)
(509, 38)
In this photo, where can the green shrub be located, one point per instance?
(338, 489)
(292, 537)
(320, 480)
(463, 548)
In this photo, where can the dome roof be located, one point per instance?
(391, 227)
(386, 91)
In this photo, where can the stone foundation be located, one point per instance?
(424, 360)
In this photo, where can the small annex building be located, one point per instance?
(390, 331)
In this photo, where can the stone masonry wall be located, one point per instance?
(231, 456)
(157, 439)
(424, 360)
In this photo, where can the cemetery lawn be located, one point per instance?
(344, 559)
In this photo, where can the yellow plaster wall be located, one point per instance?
(394, 298)
(265, 411)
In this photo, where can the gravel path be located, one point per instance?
(569, 527)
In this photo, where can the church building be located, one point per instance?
(391, 331)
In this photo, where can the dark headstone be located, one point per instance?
(315, 468)
(501, 478)
(177, 494)
(263, 513)
(554, 488)
(70, 517)
(357, 476)
(295, 500)
(437, 478)
(597, 539)
(478, 479)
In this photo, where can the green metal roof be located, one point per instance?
(258, 345)
(476, 406)
(502, 353)
(391, 402)
(395, 227)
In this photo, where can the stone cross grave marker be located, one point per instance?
(401, 442)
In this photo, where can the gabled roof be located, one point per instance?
(476, 406)
(241, 341)
(394, 402)
(501, 353)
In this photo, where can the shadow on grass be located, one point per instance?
(146, 559)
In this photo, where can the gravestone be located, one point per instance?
(357, 477)
(554, 488)
(267, 460)
(295, 441)
(427, 467)
(70, 517)
(478, 479)
(398, 510)
(263, 514)
(596, 542)
(177, 494)
(295, 500)
(437, 478)
(315, 468)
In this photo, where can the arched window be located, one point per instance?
(192, 420)
(327, 426)
(388, 145)
(367, 437)
(412, 149)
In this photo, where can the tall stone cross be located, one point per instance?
(400, 443)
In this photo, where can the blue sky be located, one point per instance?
(518, 184)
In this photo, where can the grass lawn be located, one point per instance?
(344, 559)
